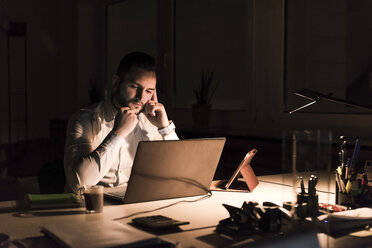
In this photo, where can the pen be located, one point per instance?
(340, 157)
(355, 155)
(342, 151)
(315, 182)
(302, 185)
(364, 183)
(342, 184)
(350, 183)
(339, 170)
(338, 181)
(347, 169)
(311, 184)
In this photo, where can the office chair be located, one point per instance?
(52, 177)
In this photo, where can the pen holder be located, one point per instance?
(307, 204)
(344, 199)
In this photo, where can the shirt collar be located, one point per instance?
(108, 110)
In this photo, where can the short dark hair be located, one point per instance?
(135, 59)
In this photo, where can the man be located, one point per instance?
(102, 139)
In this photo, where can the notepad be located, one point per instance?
(99, 234)
(64, 200)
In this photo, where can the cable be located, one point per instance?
(166, 206)
(181, 179)
(283, 184)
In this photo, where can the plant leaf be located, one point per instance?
(197, 95)
(206, 82)
(214, 90)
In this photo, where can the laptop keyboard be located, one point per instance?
(116, 192)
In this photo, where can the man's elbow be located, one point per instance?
(81, 174)
(73, 182)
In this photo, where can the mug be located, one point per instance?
(93, 197)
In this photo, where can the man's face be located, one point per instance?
(136, 88)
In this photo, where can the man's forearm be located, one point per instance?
(86, 167)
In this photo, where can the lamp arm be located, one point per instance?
(306, 105)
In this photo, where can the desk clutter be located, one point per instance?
(158, 222)
(352, 188)
(251, 218)
(111, 234)
(307, 202)
(48, 201)
(271, 220)
(345, 220)
(268, 225)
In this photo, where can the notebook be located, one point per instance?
(246, 184)
(171, 169)
(101, 234)
(61, 200)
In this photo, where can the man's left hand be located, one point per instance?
(156, 113)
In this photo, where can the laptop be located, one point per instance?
(170, 169)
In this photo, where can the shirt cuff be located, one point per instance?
(167, 130)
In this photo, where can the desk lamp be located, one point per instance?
(315, 96)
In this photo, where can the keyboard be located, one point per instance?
(115, 192)
(158, 222)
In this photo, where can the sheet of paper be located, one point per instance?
(346, 220)
(359, 213)
(361, 234)
(99, 234)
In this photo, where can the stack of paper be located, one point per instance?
(100, 234)
(345, 220)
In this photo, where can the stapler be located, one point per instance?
(252, 218)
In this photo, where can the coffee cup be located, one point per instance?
(93, 197)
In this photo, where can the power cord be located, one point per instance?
(166, 206)
(181, 179)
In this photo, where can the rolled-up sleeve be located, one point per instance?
(84, 163)
(171, 136)
(169, 132)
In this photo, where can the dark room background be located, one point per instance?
(57, 56)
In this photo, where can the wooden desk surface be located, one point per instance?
(326, 180)
(203, 215)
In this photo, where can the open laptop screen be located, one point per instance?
(173, 168)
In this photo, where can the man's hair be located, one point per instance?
(139, 60)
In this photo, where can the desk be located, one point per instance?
(326, 182)
(203, 215)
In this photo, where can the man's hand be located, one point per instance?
(156, 113)
(125, 122)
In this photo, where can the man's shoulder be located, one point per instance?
(87, 113)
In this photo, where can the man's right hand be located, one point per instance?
(125, 122)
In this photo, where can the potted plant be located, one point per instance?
(204, 94)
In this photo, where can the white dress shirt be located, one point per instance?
(95, 154)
